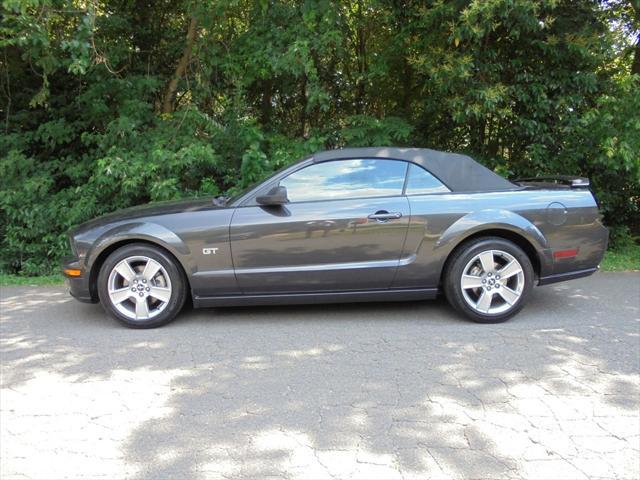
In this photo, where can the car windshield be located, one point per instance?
(244, 191)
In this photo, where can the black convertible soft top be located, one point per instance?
(460, 173)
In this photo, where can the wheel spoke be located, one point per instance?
(139, 287)
(510, 269)
(150, 269)
(120, 295)
(499, 268)
(471, 281)
(162, 294)
(142, 308)
(484, 302)
(488, 264)
(125, 270)
(509, 295)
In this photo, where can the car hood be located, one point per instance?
(148, 210)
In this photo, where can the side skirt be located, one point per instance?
(317, 297)
(561, 277)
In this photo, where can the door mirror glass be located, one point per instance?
(275, 196)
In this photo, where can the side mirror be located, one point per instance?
(275, 196)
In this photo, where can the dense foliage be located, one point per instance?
(107, 104)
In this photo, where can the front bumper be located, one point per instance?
(79, 286)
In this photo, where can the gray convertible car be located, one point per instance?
(351, 225)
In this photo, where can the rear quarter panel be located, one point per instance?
(549, 220)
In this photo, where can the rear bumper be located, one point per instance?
(576, 252)
(79, 287)
(561, 277)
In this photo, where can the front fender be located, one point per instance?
(145, 231)
(495, 219)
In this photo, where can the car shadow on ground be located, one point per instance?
(314, 391)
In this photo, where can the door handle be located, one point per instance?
(383, 216)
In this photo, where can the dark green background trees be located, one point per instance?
(107, 104)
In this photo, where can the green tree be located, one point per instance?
(107, 104)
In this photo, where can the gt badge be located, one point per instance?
(209, 251)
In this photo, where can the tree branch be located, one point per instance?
(169, 96)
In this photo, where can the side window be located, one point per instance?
(420, 182)
(340, 179)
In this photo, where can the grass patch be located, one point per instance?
(622, 259)
(14, 280)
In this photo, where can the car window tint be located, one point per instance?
(346, 179)
(421, 182)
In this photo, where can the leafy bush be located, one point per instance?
(108, 105)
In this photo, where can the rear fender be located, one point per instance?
(496, 219)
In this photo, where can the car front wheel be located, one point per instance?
(489, 280)
(141, 286)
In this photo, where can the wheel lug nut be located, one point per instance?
(141, 294)
(148, 289)
(144, 280)
(489, 274)
(133, 289)
(484, 281)
(497, 277)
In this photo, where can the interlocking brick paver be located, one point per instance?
(406, 390)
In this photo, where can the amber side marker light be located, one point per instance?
(565, 253)
(72, 272)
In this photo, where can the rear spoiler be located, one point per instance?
(569, 180)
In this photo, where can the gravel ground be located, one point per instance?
(406, 390)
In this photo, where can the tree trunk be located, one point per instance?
(635, 66)
(265, 105)
(169, 96)
(361, 53)
(303, 110)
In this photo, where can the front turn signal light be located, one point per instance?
(72, 272)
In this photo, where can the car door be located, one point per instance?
(343, 229)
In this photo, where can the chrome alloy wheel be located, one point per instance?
(492, 282)
(139, 287)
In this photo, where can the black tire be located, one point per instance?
(455, 269)
(178, 284)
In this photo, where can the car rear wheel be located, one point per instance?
(489, 280)
(141, 286)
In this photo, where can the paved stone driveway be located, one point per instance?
(348, 391)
